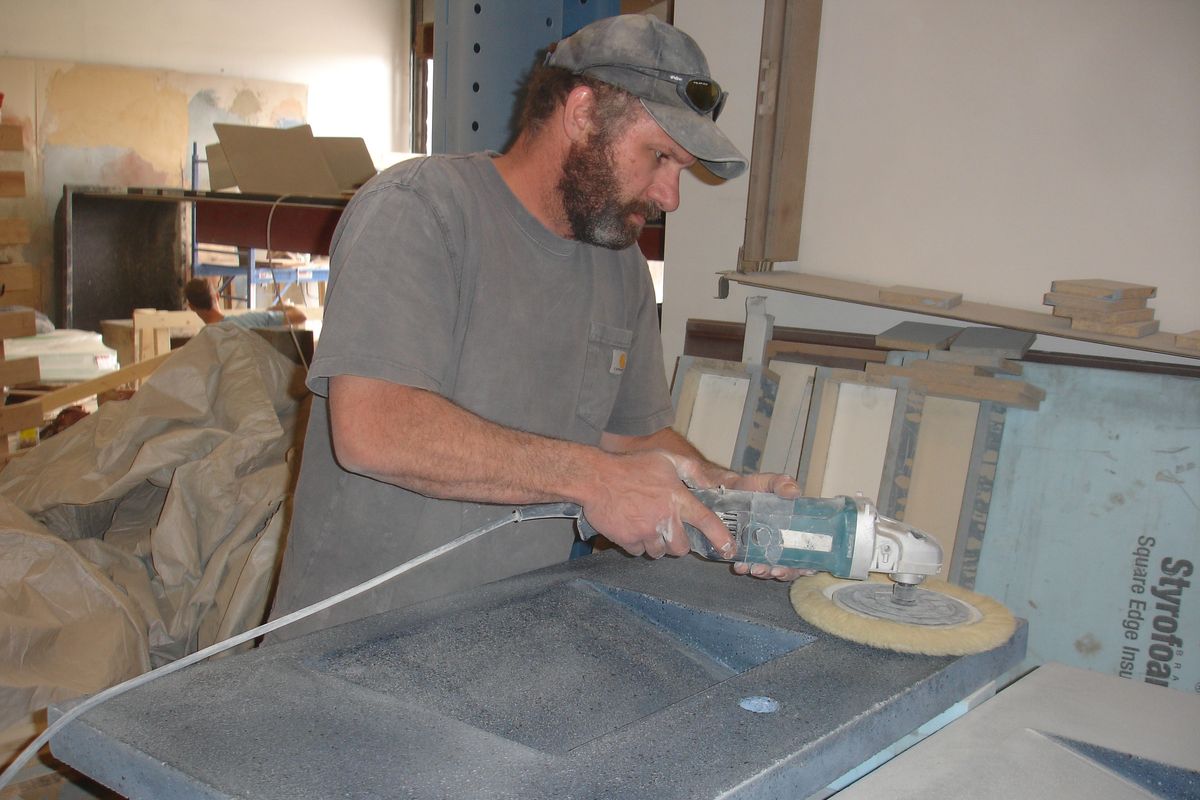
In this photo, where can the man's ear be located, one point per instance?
(577, 113)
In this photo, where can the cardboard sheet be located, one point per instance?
(151, 528)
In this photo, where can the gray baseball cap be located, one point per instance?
(663, 67)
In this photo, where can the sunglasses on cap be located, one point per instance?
(702, 95)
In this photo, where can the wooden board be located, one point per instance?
(1188, 341)
(17, 371)
(12, 184)
(1128, 315)
(916, 296)
(1102, 289)
(11, 137)
(20, 417)
(16, 278)
(785, 436)
(1092, 303)
(14, 230)
(14, 324)
(1000, 390)
(938, 479)
(1134, 329)
(991, 362)
(922, 336)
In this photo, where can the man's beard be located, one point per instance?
(591, 198)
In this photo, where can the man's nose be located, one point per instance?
(664, 192)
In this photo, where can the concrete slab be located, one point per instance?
(606, 676)
(1059, 732)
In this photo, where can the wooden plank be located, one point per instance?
(11, 137)
(1189, 341)
(12, 184)
(991, 362)
(20, 416)
(14, 230)
(1135, 329)
(922, 336)
(14, 324)
(1102, 289)
(1001, 390)
(17, 278)
(785, 437)
(947, 369)
(916, 296)
(941, 462)
(967, 311)
(16, 371)
(1092, 303)
(1009, 343)
(825, 355)
(1128, 315)
(782, 126)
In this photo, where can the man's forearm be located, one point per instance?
(423, 442)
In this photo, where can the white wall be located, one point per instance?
(345, 51)
(974, 146)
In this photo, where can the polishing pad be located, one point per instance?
(942, 620)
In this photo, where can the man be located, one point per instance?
(491, 339)
(202, 298)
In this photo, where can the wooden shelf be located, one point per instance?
(966, 311)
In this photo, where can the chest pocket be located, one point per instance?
(607, 352)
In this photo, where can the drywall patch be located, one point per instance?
(100, 106)
(246, 104)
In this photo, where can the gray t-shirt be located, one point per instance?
(255, 319)
(442, 280)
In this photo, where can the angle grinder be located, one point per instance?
(844, 536)
(847, 538)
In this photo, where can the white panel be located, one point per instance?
(939, 471)
(717, 416)
(786, 434)
(859, 440)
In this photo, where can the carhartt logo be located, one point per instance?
(618, 362)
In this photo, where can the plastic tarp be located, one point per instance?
(152, 527)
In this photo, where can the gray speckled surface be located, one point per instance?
(604, 677)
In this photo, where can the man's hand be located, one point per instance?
(641, 505)
(784, 486)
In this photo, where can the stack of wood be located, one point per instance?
(1097, 305)
(975, 363)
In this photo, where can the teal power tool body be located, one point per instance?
(844, 536)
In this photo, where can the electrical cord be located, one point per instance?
(520, 514)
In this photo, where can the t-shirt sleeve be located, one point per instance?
(393, 293)
(643, 404)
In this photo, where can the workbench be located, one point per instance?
(606, 676)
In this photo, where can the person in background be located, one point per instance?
(201, 297)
